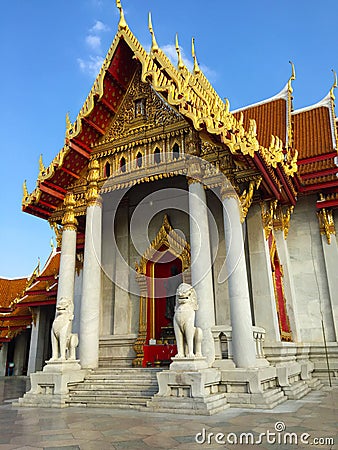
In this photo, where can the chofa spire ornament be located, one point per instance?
(180, 63)
(122, 23)
(334, 85)
(196, 66)
(154, 45)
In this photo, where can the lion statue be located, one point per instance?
(64, 342)
(188, 337)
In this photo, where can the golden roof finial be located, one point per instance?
(154, 46)
(334, 85)
(292, 77)
(25, 190)
(68, 123)
(196, 66)
(122, 22)
(41, 165)
(180, 64)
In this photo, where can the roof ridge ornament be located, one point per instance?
(154, 45)
(122, 23)
(334, 85)
(180, 63)
(196, 66)
(292, 77)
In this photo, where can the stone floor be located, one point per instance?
(313, 420)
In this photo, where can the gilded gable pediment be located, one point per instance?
(142, 109)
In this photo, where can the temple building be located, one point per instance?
(160, 183)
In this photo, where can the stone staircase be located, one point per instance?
(126, 388)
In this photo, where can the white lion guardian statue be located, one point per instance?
(64, 342)
(188, 337)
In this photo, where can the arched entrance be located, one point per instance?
(164, 265)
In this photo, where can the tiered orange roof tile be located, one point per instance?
(44, 290)
(10, 290)
(312, 132)
(271, 119)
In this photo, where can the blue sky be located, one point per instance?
(50, 52)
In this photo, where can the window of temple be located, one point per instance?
(107, 170)
(157, 155)
(140, 107)
(123, 164)
(139, 159)
(176, 151)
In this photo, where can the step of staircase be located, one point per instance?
(126, 388)
(296, 390)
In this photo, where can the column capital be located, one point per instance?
(92, 194)
(326, 223)
(228, 191)
(69, 221)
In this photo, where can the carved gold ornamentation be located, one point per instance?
(247, 197)
(268, 211)
(69, 221)
(281, 219)
(58, 233)
(326, 223)
(92, 194)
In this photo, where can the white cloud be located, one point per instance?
(170, 51)
(99, 27)
(91, 66)
(94, 42)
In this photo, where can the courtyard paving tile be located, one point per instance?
(77, 428)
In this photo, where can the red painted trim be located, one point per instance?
(69, 172)
(55, 186)
(108, 105)
(270, 183)
(41, 303)
(45, 278)
(4, 339)
(319, 173)
(327, 204)
(39, 210)
(319, 186)
(288, 191)
(312, 159)
(93, 125)
(48, 205)
(14, 318)
(14, 327)
(52, 192)
(82, 150)
(41, 292)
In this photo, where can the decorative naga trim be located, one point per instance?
(247, 197)
(326, 223)
(268, 211)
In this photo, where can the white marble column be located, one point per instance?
(68, 252)
(33, 348)
(330, 251)
(201, 266)
(3, 358)
(264, 301)
(244, 354)
(289, 290)
(91, 287)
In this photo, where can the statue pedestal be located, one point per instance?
(189, 387)
(49, 388)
